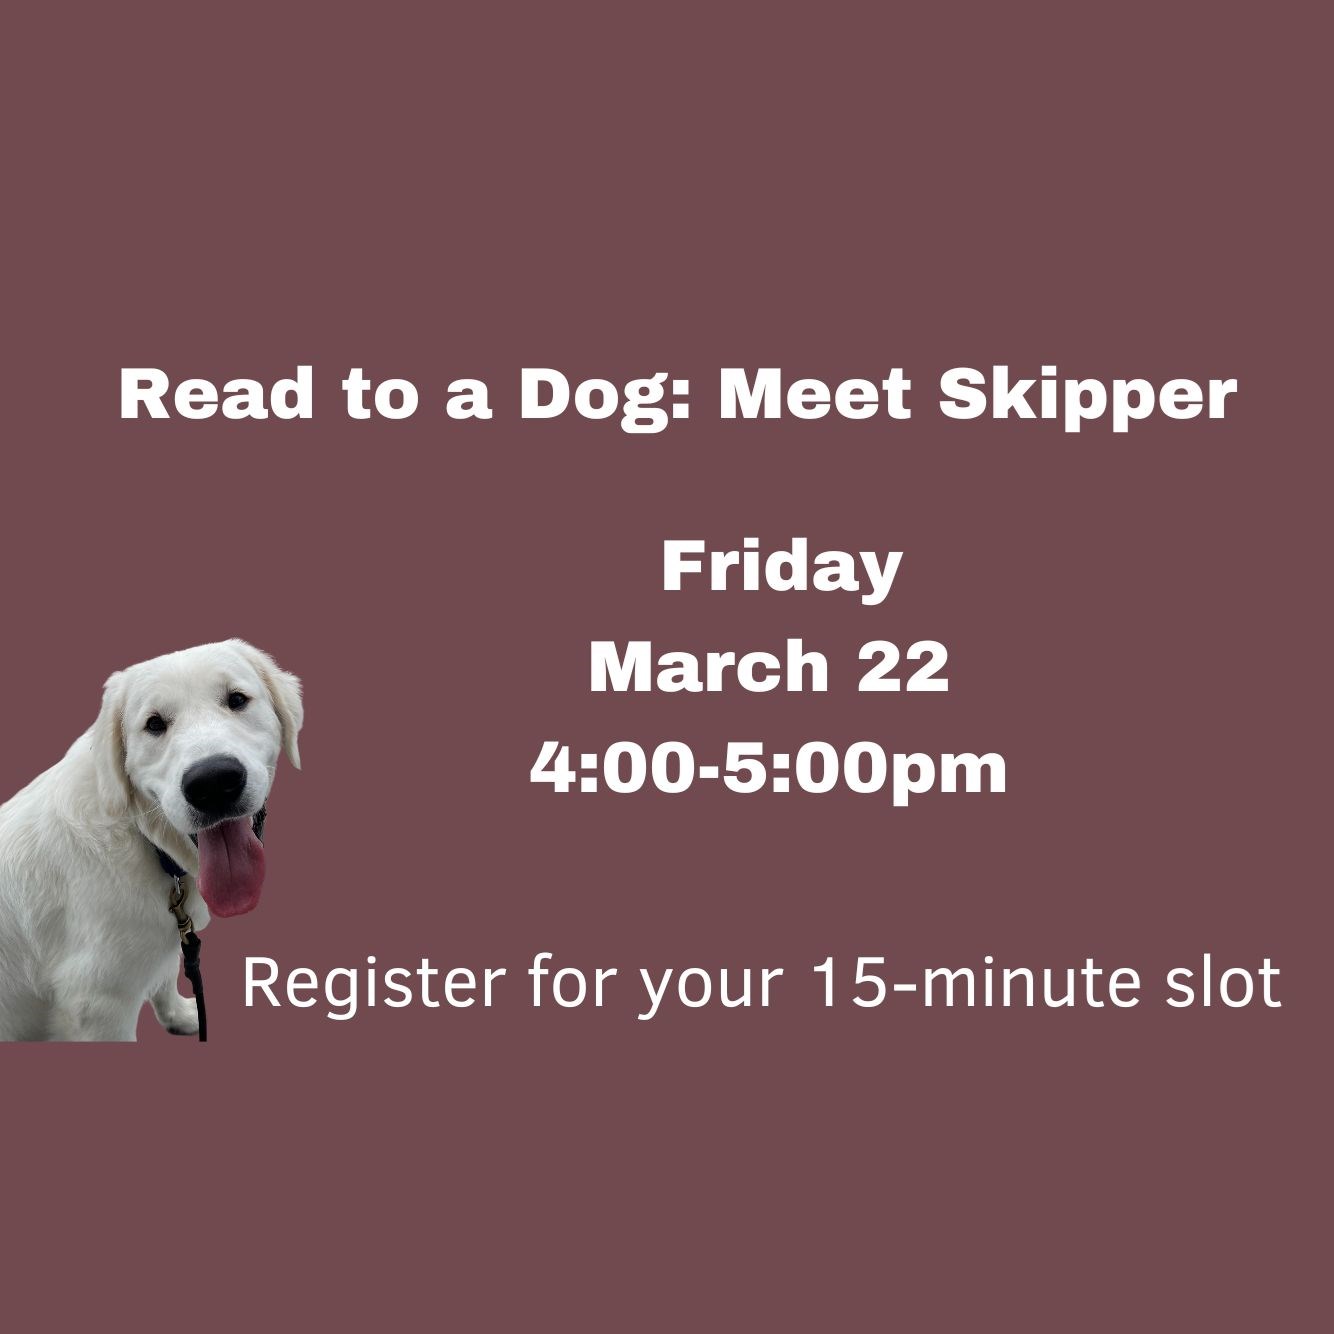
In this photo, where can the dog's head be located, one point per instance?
(188, 745)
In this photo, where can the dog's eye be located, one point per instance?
(157, 724)
(236, 700)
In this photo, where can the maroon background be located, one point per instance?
(1138, 623)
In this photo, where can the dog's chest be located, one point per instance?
(130, 929)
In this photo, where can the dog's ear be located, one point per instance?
(284, 693)
(113, 780)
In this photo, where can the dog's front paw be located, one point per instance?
(181, 1017)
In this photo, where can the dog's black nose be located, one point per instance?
(214, 786)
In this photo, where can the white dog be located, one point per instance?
(183, 751)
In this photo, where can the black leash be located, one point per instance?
(190, 942)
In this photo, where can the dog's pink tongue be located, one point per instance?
(231, 867)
